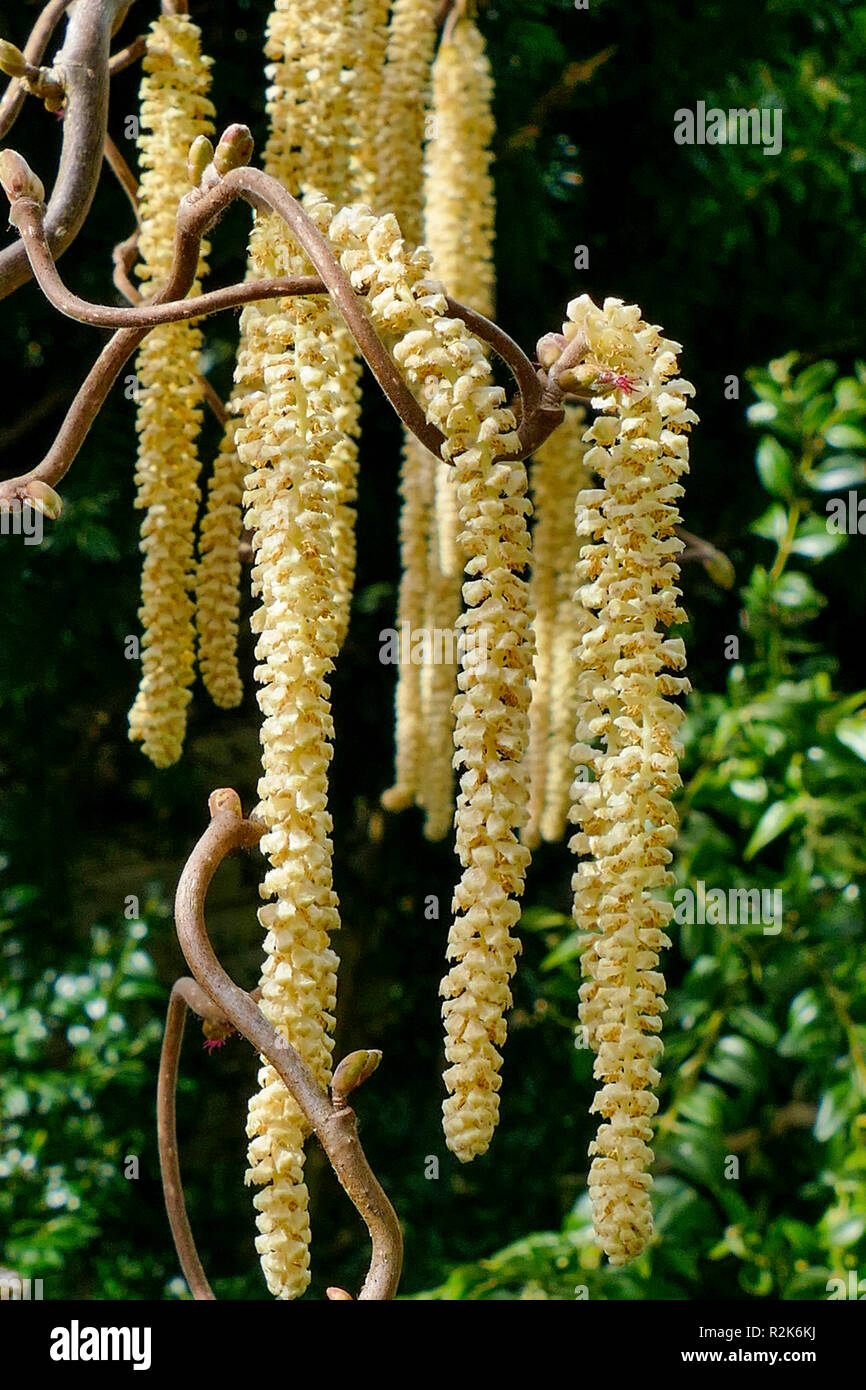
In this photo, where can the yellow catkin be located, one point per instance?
(448, 367)
(556, 476)
(297, 392)
(285, 440)
(627, 735)
(399, 135)
(174, 110)
(313, 45)
(218, 577)
(459, 210)
(369, 21)
(403, 103)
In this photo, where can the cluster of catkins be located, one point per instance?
(553, 702)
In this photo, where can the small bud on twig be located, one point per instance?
(225, 799)
(337, 1295)
(12, 60)
(234, 150)
(200, 156)
(18, 179)
(353, 1071)
(550, 348)
(44, 499)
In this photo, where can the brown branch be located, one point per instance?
(125, 57)
(197, 212)
(82, 66)
(34, 51)
(185, 994)
(332, 1120)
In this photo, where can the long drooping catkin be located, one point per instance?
(285, 440)
(174, 110)
(298, 396)
(448, 368)
(402, 113)
(626, 732)
(369, 21)
(458, 219)
(556, 476)
(218, 576)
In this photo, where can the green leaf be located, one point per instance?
(836, 1107)
(774, 822)
(852, 732)
(846, 437)
(775, 468)
(814, 379)
(842, 471)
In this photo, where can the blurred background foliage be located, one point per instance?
(747, 260)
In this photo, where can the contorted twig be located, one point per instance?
(540, 408)
(82, 67)
(34, 50)
(329, 1116)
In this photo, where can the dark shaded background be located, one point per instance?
(740, 257)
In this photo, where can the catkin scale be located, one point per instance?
(175, 109)
(626, 734)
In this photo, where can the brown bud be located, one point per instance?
(234, 150)
(18, 179)
(225, 799)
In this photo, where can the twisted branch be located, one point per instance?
(328, 1116)
(82, 66)
(34, 51)
(539, 411)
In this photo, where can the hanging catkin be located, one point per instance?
(626, 734)
(459, 215)
(174, 110)
(297, 392)
(369, 42)
(284, 440)
(218, 577)
(448, 367)
(556, 476)
(400, 131)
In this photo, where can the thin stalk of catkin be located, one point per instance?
(174, 110)
(557, 475)
(627, 733)
(459, 211)
(448, 369)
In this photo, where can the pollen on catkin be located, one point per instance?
(448, 369)
(626, 733)
(174, 110)
(557, 475)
